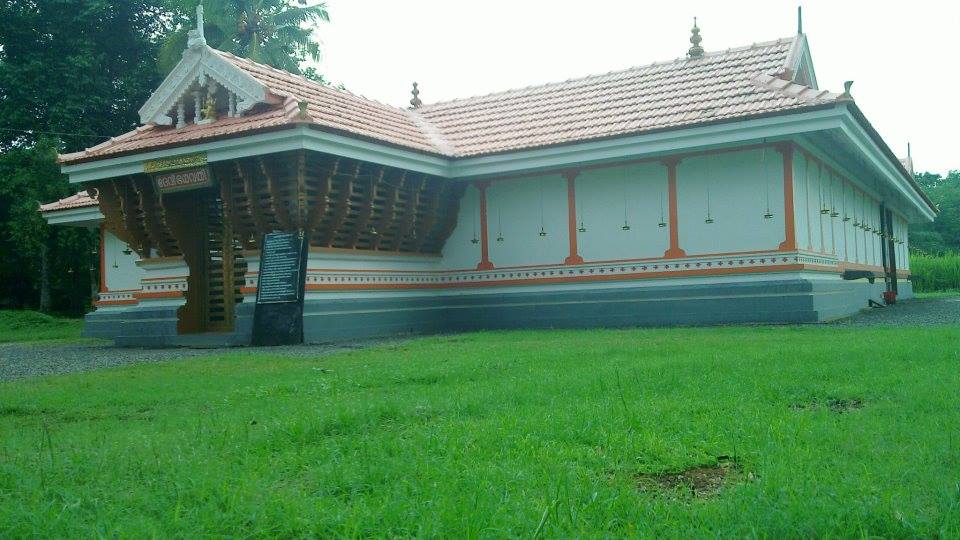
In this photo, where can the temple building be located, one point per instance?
(720, 187)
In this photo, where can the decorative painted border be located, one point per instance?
(174, 286)
(714, 265)
(116, 298)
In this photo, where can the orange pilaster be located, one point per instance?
(674, 250)
(485, 263)
(574, 256)
(789, 223)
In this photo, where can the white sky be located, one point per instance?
(902, 56)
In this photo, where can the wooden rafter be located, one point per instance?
(129, 210)
(322, 199)
(301, 188)
(429, 216)
(278, 203)
(367, 206)
(409, 219)
(151, 216)
(109, 205)
(340, 207)
(385, 225)
(253, 207)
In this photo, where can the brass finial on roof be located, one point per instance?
(415, 100)
(696, 51)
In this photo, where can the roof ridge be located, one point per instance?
(755, 45)
(793, 89)
(433, 133)
(307, 81)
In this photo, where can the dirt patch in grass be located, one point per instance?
(837, 405)
(701, 481)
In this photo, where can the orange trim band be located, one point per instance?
(790, 241)
(574, 256)
(617, 277)
(129, 302)
(485, 263)
(526, 266)
(674, 251)
(168, 278)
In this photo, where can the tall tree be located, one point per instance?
(273, 32)
(72, 72)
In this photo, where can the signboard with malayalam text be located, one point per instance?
(278, 313)
(173, 181)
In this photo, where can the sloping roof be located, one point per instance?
(735, 83)
(80, 200)
(721, 85)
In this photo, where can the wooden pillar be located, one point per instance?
(674, 250)
(574, 256)
(789, 221)
(485, 263)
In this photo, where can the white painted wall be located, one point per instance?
(122, 272)
(635, 194)
(514, 210)
(460, 252)
(738, 184)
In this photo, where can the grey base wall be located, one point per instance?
(157, 327)
(772, 302)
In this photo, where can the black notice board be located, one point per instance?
(278, 315)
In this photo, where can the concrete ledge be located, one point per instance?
(785, 301)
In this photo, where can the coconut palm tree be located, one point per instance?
(272, 32)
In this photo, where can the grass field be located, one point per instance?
(789, 432)
(817, 431)
(27, 326)
(935, 273)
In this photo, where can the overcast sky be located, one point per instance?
(901, 56)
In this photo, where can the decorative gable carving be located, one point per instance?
(179, 93)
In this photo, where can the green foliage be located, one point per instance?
(77, 68)
(943, 235)
(29, 175)
(72, 72)
(931, 273)
(498, 434)
(273, 32)
(30, 326)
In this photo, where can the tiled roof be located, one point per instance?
(80, 200)
(722, 85)
(735, 83)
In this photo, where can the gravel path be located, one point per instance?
(917, 312)
(18, 361)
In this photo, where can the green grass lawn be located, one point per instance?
(822, 431)
(29, 326)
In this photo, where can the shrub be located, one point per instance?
(935, 273)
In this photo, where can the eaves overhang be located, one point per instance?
(869, 141)
(843, 116)
(87, 216)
